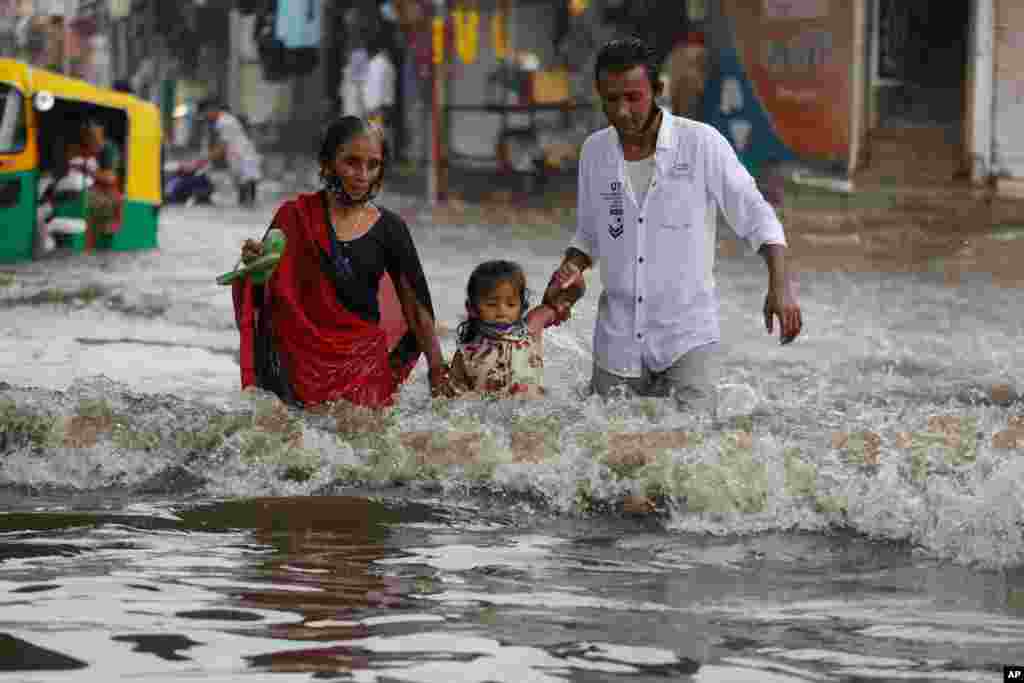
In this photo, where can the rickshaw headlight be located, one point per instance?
(44, 100)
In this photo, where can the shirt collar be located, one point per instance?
(666, 131)
(666, 134)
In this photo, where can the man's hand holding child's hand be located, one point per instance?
(566, 287)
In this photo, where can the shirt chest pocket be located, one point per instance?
(678, 191)
(676, 211)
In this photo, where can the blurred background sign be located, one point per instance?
(782, 87)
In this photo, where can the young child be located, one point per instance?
(499, 345)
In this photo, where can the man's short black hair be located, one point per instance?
(623, 54)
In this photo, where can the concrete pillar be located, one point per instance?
(981, 69)
(234, 84)
(858, 85)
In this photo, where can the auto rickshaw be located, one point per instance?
(40, 115)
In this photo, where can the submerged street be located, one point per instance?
(855, 513)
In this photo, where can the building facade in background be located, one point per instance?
(906, 91)
(915, 90)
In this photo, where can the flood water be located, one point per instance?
(855, 513)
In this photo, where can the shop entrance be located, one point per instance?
(917, 98)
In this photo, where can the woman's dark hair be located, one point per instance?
(484, 279)
(344, 130)
(625, 53)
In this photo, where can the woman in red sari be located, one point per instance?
(347, 312)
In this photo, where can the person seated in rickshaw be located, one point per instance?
(95, 164)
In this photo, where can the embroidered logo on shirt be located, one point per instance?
(616, 208)
(681, 169)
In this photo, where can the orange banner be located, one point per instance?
(798, 62)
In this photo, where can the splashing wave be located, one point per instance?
(950, 484)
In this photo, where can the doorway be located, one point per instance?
(918, 76)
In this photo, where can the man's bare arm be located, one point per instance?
(780, 301)
(774, 256)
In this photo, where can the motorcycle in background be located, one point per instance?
(188, 183)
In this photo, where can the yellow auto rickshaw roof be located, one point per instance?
(31, 80)
(145, 132)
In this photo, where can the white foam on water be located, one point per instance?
(887, 611)
(216, 654)
(525, 553)
(963, 676)
(833, 657)
(466, 527)
(775, 667)
(968, 512)
(630, 654)
(716, 673)
(265, 586)
(550, 600)
(304, 570)
(936, 634)
(498, 663)
(377, 621)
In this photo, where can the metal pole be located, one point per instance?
(234, 94)
(435, 181)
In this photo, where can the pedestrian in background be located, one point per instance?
(687, 70)
(233, 146)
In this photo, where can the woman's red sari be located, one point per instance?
(325, 352)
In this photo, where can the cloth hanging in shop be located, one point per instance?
(280, 63)
(298, 23)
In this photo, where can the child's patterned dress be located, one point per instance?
(504, 364)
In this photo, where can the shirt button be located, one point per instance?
(639, 335)
(641, 219)
(640, 299)
(641, 259)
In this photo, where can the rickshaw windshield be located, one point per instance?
(13, 132)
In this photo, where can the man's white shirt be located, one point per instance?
(379, 89)
(367, 84)
(657, 255)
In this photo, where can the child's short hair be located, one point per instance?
(483, 280)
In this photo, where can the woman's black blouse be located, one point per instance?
(356, 266)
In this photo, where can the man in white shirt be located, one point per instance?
(368, 85)
(649, 188)
(353, 83)
(234, 146)
(379, 89)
